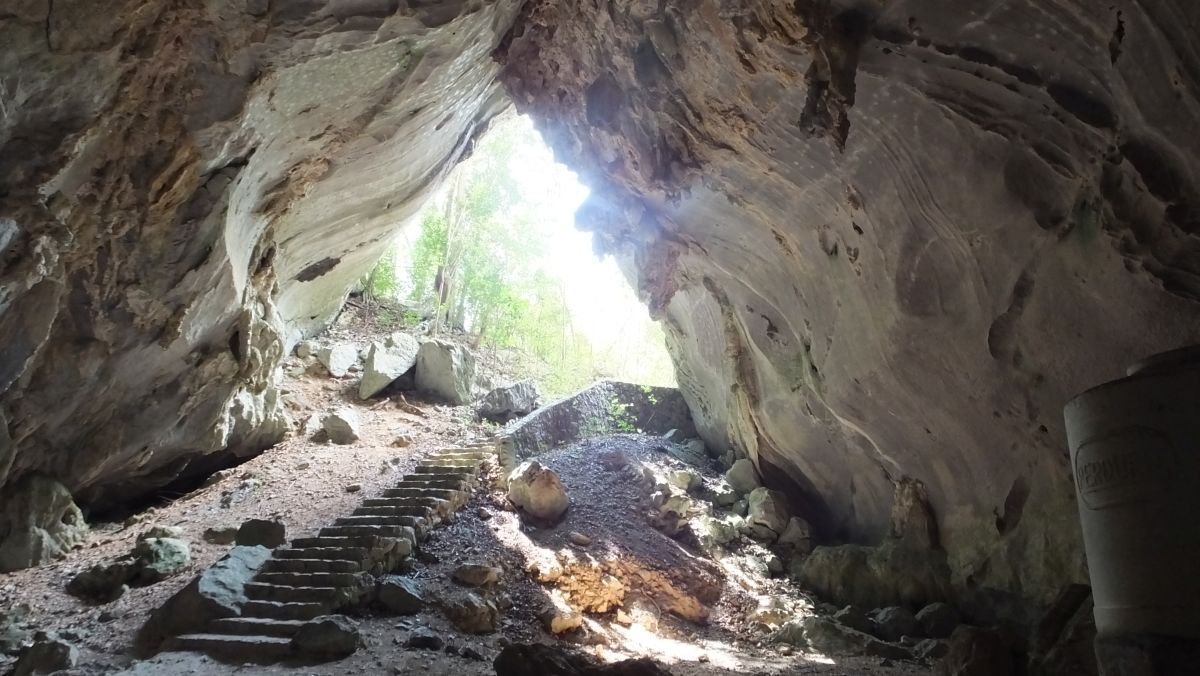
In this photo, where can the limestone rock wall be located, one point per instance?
(891, 239)
(188, 188)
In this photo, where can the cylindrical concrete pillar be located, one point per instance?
(1134, 448)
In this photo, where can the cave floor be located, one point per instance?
(304, 483)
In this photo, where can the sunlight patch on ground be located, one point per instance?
(638, 641)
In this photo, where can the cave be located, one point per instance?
(888, 242)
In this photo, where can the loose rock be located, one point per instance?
(509, 401)
(424, 640)
(342, 426)
(768, 514)
(742, 476)
(894, 622)
(400, 595)
(472, 614)
(269, 533)
(937, 620)
(386, 363)
(221, 535)
(337, 359)
(477, 575)
(446, 370)
(46, 656)
(538, 491)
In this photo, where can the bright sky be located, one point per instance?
(603, 305)
(601, 300)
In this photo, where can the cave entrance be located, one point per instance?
(494, 257)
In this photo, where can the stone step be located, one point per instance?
(433, 475)
(440, 507)
(450, 470)
(256, 626)
(446, 465)
(284, 610)
(355, 553)
(390, 511)
(235, 648)
(438, 493)
(309, 579)
(361, 542)
(416, 522)
(311, 566)
(474, 453)
(265, 591)
(392, 531)
(416, 481)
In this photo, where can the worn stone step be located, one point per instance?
(356, 553)
(449, 468)
(309, 579)
(418, 481)
(476, 453)
(441, 507)
(392, 531)
(393, 511)
(235, 648)
(284, 610)
(447, 465)
(275, 565)
(256, 626)
(416, 522)
(265, 591)
(440, 476)
(364, 542)
(439, 493)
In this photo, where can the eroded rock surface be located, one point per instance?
(888, 240)
(891, 239)
(187, 192)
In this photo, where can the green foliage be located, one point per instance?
(622, 418)
(479, 264)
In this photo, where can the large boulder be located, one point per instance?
(38, 522)
(538, 491)
(875, 577)
(742, 476)
(338, 358)
(386, 362)
(509, 401)
(218, 592)
(446, 370)
(328, 637)
(342, 425)
(768, 515)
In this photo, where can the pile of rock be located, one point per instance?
(157, 555)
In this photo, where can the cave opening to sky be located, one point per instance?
(495, 254)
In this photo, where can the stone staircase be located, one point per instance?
(316, 576)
